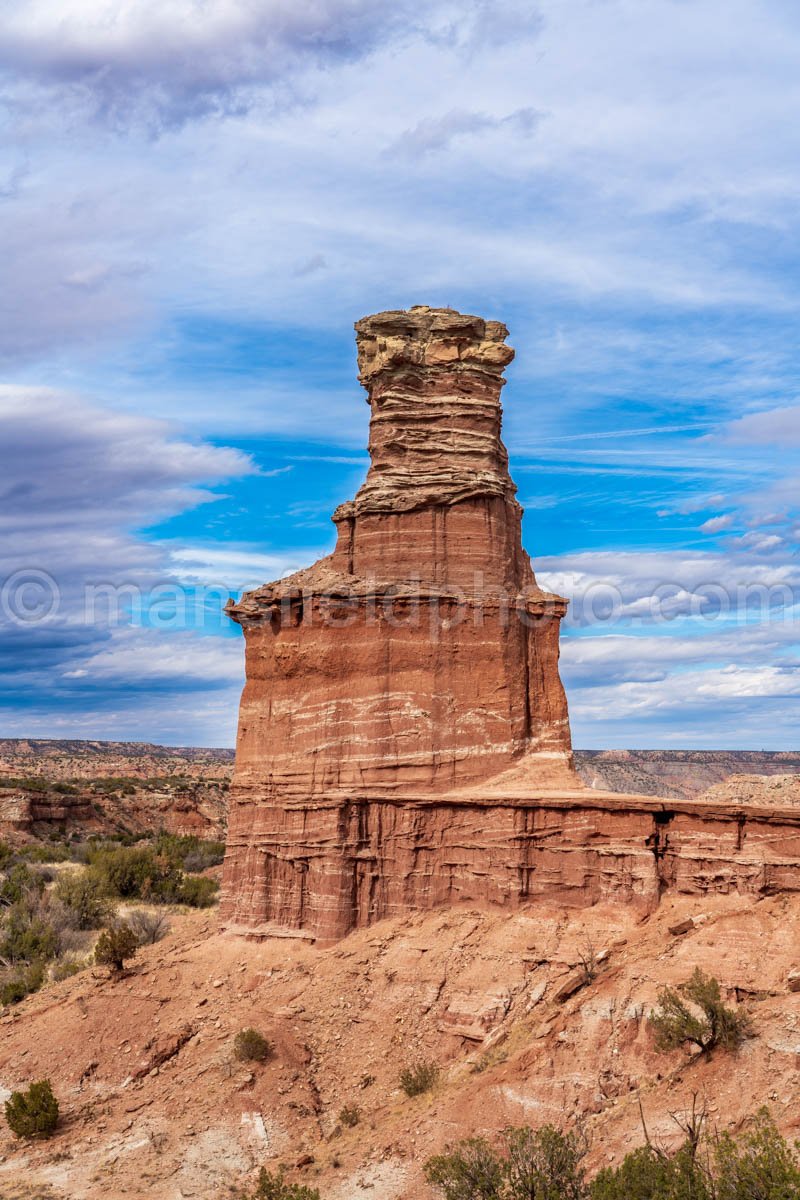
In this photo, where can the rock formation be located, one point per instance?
(420, 656)
(403, 738)
(421, 653)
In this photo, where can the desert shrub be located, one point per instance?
(202, 859)
(544, 1164)
(32, 1113)
(198, 891)
(274, 1187)
(18, 882)
(650, 1174)
(251, 1046)
(350, 1116)
(135, 872)
(115, 944)
(108, 784)
(541, 1164)
(418, 1078)
(149, 924)
(709, 1025)
(81, 852)
(66, 966)
(27, 934)
(25, 783)
(471, 1171)
(21, 981)
(46, 853)
(760, 1166)
(85, 897)
(190, 853)
(85, 852)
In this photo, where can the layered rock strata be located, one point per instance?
(403, 737)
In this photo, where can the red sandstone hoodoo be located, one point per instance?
(403, 736)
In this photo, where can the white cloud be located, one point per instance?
(238, 568)
(718, 524)
(615, 196)
(773, 427)
(698, 649)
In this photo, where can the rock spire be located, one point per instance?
(418, 660)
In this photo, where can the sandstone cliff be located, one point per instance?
(420, 658)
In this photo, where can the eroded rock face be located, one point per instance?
(403, 738)
(420, 655)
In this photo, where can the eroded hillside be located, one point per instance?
(154, 1103)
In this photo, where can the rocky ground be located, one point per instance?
(154, 1103)
(778, 790)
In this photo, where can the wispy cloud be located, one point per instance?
(77, 483)
(436, 134)
(197, 201)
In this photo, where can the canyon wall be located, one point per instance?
(678, 773)
(403, 737)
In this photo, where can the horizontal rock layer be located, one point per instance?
(436, 694)
(330, 867)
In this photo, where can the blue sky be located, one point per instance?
(198, 199)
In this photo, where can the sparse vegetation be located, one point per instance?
(18, 881)
(198, 891)
(27, 934)
(135, 873)
(44, 852)
(85, 896)
(21, 981)
(419, 1078)
(27, 783)
(34, 1112)
(141, 873)
(46, 913)
(149, 924)
(350, 1116)
(759, 1165)
(116, 944)
(706, 1025)
(189, 853)
(251, 1046)
(274, 1187)
(67, 966)
(546, 1164)
(541, 1164)
(588, 960)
